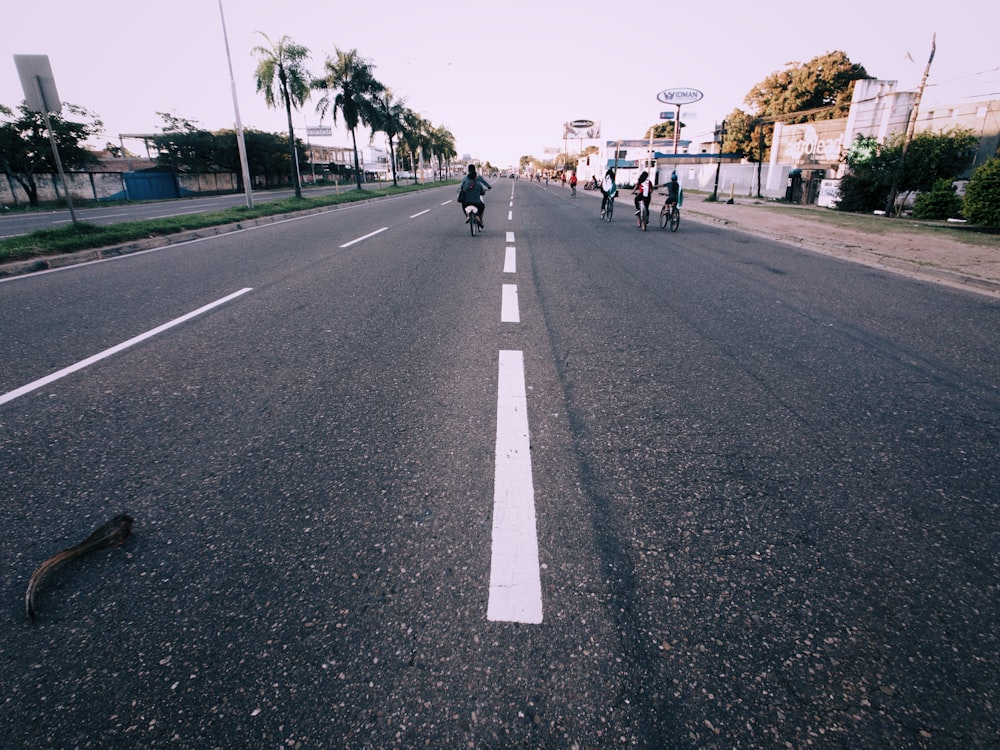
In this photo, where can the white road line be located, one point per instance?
(359, 239)
(446, 203)
(425, 211)
(42, 382)
(509, 311)
(515, 579)
(510, 260)
(510, 215)
(510, 237)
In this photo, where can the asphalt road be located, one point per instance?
(763, 487)
(18, 223)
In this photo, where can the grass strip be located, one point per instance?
(85, 236)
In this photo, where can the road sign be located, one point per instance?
(679, 96)
(39, 85)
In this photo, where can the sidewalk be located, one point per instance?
(928, 250)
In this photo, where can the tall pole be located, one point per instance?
(677, 129)
(241, 144)
(55, 149)
(910, 127)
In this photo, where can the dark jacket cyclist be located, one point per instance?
(470, 193)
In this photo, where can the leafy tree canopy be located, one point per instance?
(873, 165)
(820, 89)
(25, 149)
(825, 81)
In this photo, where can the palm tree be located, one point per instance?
(285, 61)
(352, 78)
(415, 137)
(390, 121)
(443, 147)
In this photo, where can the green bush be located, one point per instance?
(982, 196)
(940, 202)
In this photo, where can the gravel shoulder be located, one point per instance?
(934, 251)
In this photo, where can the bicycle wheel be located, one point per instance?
(473, 224)
(610, 210)
(644, 216)
(664, 216)
(675, 219)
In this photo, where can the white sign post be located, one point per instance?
(40, 95)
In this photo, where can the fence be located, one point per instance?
(116, 186)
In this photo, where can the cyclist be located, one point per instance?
(608, 188)
(673, 190)
(471, 192)
(643, 192)
(572, 184)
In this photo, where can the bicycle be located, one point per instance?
(572, 190)
(608, 209)
(671, 215)
(473, 220)
(643, 216)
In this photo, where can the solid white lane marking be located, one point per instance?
(359, 239)
(510, 237)
(515, 579)
(510, 260)
(509, 312)
(42, 382)
(425, 211)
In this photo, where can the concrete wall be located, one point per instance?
(104, 186)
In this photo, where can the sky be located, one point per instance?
(502, 75)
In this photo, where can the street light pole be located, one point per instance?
(720, 134)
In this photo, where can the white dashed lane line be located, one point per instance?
(515, 578)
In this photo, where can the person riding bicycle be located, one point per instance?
(608, 188)
(572, 182)
(643, 192)
(470, 193)
(673, 191)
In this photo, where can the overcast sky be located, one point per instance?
(502, 75)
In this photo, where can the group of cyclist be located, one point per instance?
(473, 188)
(643, 192)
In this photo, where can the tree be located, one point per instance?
(820, 89)
(285, 62)
(442, 146)
(186, 147)
(824, 83)
(940, 202)
(663, 129)
(389, 120)
(25, 149)
(415, 137)
(869, 177)
(982, 195)
(350, 88)
(873, 165)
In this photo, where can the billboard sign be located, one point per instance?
(679, 96)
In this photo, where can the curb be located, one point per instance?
(53, 262)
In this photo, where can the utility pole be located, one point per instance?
(910, 127)
(240, 142)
